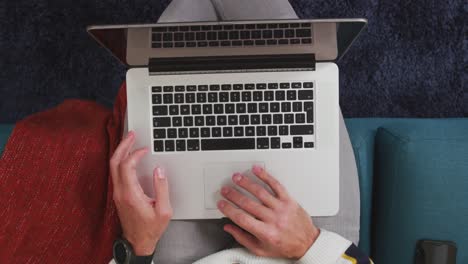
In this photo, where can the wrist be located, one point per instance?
(312, 237)
(143, 248)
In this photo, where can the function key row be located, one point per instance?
(229, 87)
(229, 27)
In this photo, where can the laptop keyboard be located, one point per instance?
(233, 116)
(232, 35)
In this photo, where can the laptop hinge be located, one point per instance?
(221, 64)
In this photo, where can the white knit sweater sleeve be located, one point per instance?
(327, 249)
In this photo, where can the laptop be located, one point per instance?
(214, 98)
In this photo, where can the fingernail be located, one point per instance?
(160, 173)
(130, 134)
(225, 190)
(221, 204)
(257, 169)
(237, 177)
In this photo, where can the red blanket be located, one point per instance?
(55, 187)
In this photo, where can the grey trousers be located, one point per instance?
(188, 241)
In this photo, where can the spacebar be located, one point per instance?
(228, 144)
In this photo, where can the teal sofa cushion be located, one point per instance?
(5, 131)
(421, 187)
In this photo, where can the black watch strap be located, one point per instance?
(124, 254)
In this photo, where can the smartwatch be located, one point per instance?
(124, 254)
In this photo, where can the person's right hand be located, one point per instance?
(143, 219)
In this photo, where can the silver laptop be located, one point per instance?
(214, 98)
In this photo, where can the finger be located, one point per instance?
(242, 219)
(245, 239)
(127, 173)
(245, 203)
(161, 188)
(256, 190)
(274, 184)
(124, 147)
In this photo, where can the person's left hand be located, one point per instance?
(276, 227)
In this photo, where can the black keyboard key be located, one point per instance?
(224, 97)
(279, 33)
(183, 133)
(162, 122)
(294, 25)
(169, 145)
(172, 133)
(266, 34)
(257, 96)
(167, 36)
(289, 33)
(263, 143)
(310, 116)
(266, 119)
(246, 96)
(237, 43)
(211, 120)
(193, 145)
(284, 85)
(295, 41)
(168, 99)
(245, 34)
(225, 43)
(291, 95)
(308, 106)
(256, 34)
(240, 26)
(255, 119)
(226, 87)
(297, 142)
(250, 26)
(179, 98)
(274, 107)
(301, 130)
(272, 25)
(228, 27)
(288, 118)
(216, 132)
(307, 24)
(160, 110)
(232, 120)
(172, 29)
(212, 35)
(272, 42)
(202, 88)
(243, 120)
(157, 37)
(228, 144)
(261, 26)
(168, 89)
(201, 97)
(179, 44)
(199, 121)
(283, 130)
(207, 109)
(168, 45)
(215, 87)
(234, 35)
(283, 42)
(158, 146)
(272, 131)
(272, 86)
(159, 133)
(296, 85)
(185, 109)
(235, 97)
(217, 27)
(250, 86)
(275, 142)
(179, 36)
(206, 27)
(194, 132)
(279, 96)
(297, 106)
(308, 144)
(237, 86)
(227, 131)
(200, 36)
(212, 97)
(196, 109)
(306, 95)
(218, 109)
(156, 89)
(308, 85)
(222, 35)
(263, 107)
(260, 42)
(213, 43)
(190, 98)
(229, 108)
(300, 118)
(241, 108)
(252, 108)
(202, 44)
(277, 118)
(238, 131)
(191, 44)
(261, 131)
(177, 121)
(180, 145)
(286, 145)
(189, 36)
(248, 42)
(221, 120)
(303, 33)
(306, 41)
(191, 88)
(250, 131)
(205, 132)
(179, 88)
(195, 28)
(268, 96)
(174, 110)
(285, 107)
(188, 121)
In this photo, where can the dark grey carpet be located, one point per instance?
(409, 62)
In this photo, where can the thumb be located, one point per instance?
(161, 188)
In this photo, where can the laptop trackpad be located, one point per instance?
(217, 175)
